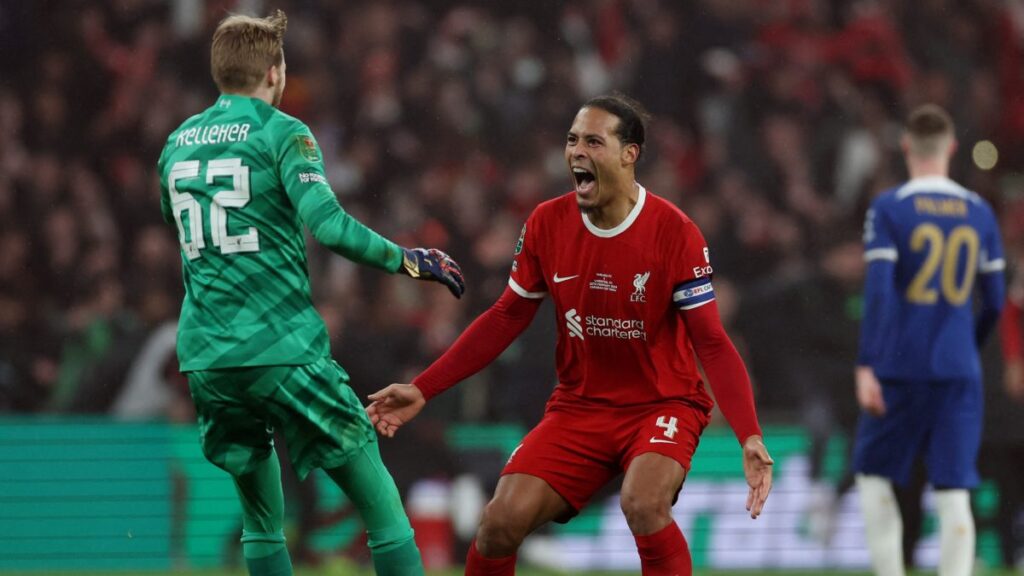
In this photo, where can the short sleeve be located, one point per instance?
(879, 242)
(526, 278)
(692, 269)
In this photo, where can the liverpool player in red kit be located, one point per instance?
(630, 277)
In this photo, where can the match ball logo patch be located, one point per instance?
(307, 147)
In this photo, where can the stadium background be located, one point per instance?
(442, 124)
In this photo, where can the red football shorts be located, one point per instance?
(577, 449)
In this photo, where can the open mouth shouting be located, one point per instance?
(585, 180)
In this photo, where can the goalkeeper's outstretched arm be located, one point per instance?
(305, 183)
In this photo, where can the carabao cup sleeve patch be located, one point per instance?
(307, 147)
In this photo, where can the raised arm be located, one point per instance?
(302, 174)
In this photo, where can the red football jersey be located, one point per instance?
(617, 295)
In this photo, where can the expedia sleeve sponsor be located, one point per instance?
(693, 294)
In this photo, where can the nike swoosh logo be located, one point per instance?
(559, 279)
(661, 441)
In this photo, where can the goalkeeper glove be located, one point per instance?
(432, 264)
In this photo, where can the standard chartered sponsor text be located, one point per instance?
(621, 328)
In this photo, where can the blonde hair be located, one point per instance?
(929, 129)
(244, 48)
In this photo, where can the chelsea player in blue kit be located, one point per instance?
(931, 246)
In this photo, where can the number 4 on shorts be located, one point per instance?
(669, 426)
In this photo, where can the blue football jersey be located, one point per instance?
(930, 245)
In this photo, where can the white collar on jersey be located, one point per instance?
(625, 224)
(935, 185)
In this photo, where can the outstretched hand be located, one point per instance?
(433, 264)
(394, 406)
(757, 467)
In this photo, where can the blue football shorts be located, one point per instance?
(939, 421)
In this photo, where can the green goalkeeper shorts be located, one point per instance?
(317, 413)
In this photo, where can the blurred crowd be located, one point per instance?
(442, 124)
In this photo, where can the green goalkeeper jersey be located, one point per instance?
(239, 180)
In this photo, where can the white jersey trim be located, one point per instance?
(881, 254)
(935, 185)
(523, 292)
(625, 224)
(989, 266)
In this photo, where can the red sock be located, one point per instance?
(664, 553)
(477, 565)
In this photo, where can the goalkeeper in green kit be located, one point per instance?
(239, 181)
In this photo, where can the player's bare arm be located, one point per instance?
(869, 391)
(394, 406)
